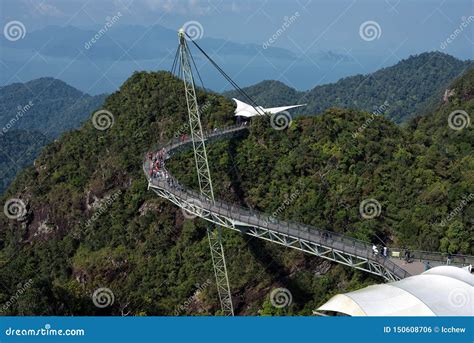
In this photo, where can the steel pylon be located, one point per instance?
(204, 175)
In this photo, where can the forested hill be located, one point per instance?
(47, 105)
(34, 113)
(400, 92)
(18, 149)
(90, 221)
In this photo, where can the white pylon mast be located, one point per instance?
(204, 176)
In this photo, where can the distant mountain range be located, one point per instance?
(98, 61)
(399, 92)
(34, 113)
(139, 43)
(47, 105)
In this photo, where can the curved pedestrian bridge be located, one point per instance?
(325, 244)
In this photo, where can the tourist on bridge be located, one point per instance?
(407, 256)
(375, 251)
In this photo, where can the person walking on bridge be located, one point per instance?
(407, 256)
(448, 260)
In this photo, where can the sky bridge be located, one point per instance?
(220, 214)
(325, 244)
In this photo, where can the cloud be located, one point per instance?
(235, 7)
(194, 7)
(49, 10)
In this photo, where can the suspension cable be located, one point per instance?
(195, 67)
(175, 61)
(227, 77)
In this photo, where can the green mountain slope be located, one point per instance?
(447, 140)
(34, 113)
(18, 148)
(399, 92)
(47, 105)
(90, 221)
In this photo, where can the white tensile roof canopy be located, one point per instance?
(245, 110)
(440, 291)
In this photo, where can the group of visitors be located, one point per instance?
(326, 235)
(183, 137)
(157, 161)
(157, 164)
(157, 168)
(383, 251)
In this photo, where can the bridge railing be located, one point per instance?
(322, 237)
(421, 256)
(250, 217)
(177, 144)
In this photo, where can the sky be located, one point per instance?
(374, 33)
(324, 24)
